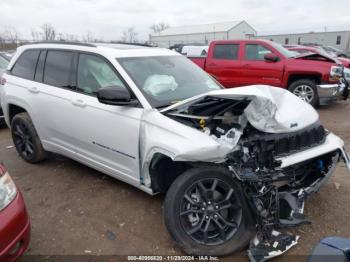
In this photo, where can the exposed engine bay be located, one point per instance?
(275, 194)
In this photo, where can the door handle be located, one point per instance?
(246, 65)
(33, 90)
(79, 103)
(212, 64)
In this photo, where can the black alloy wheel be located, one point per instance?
(26, 139)
(23, 140)
(206, 212)
(210, 212)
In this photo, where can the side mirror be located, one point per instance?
(270, 57)
(115, 95)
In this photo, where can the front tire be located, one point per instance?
(206, 213)
(306, 90)
(26, 139)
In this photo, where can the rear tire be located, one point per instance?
(232, 214)
(26, 139)
(306, 90)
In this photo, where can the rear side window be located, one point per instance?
(26, 64)
(228, 52)
(58, 68)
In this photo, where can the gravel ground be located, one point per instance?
(76, 210)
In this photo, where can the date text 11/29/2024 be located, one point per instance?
(172, 258)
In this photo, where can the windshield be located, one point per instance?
(282, 50)
(167, 79)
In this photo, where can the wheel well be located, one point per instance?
(164, 171)
(315, 78)
(14, 110)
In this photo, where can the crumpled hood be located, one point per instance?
(272, 109)
(316, 56)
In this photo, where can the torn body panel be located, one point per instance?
(160, 134)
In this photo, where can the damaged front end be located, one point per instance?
(279, 154)
(277, 197)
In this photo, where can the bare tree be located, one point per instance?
(48, 32)
(157, 28)
(88, 37)
(60, 37)
(10, 35)
(129, 35)
(35, 35)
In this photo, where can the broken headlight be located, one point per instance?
(336, 73)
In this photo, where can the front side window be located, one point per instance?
(227, 51)
(26, 64)
(164, 80)
(255, 52)
(95, 73)
(58, 68)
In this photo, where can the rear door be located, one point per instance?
(52, 92)
(223, 63)
(256, 70)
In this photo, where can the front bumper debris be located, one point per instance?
(276, 245)
(289, 211)
(331, 92)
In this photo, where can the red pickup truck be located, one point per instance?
(249, 62)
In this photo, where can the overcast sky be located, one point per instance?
(107, 19)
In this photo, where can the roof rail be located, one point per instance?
(63, 43)
(127, 43)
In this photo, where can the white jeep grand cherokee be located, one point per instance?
(235, 164)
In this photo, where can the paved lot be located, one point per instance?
(77, 210)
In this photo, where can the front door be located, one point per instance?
(104, 133)
(256, 70)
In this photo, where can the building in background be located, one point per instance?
(203, 34)
(338, 39)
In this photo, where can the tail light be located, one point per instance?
(2, 80)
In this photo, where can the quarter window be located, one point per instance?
(95, 73)
(228, 52)
(58, 68)
(255, 52)
(25, 65)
